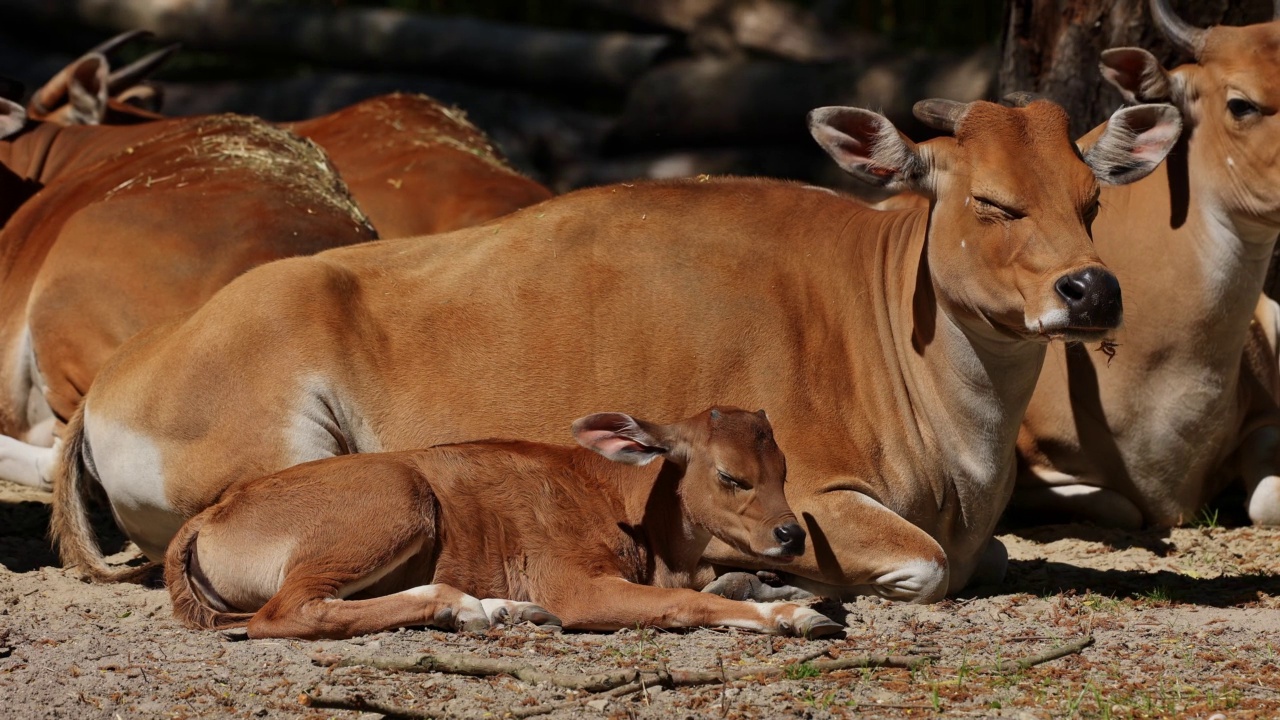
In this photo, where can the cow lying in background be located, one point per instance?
(105, 230)
(422, 534)
(413, 165)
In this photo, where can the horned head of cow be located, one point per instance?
(730, 468)
(1012, 200)
(81, 93)
(1229, 96)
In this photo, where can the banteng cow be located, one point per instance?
(1151, 434)
(422, 534)
(896, 351)
(413, 165)
(108, 229)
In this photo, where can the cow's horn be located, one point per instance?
(1020, 98)
(136, 71)
(109, 45)
(1187, 38)
(940, 114)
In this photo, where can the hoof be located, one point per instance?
(818, 626)
(537, 615)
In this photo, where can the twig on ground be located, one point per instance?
(1070, 648)
(361, 704)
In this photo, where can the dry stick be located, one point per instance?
(360, 704)
(1070, 648)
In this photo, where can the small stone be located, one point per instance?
(600, 704)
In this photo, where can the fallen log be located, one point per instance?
(370, 38)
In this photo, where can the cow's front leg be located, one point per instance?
(856, 547)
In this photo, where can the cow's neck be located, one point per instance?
(969, 387)
(1182, 257)
(654, 507)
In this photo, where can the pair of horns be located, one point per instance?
(945, 115)
(50, 95)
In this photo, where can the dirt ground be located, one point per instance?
(1186, 624)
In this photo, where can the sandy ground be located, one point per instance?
(1186, 624)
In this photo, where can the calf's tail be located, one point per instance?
(189, 603)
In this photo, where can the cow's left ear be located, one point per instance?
(1137, 74)
(87, 90)
(620, 437)
(1135, 141)
(867, 146)
(12, 117)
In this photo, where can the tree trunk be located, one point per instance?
(1052, 47)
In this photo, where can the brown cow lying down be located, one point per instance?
(422, 534)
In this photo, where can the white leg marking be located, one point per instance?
(921, 581)
(1264, 502)
(129, 466)
(26, 464)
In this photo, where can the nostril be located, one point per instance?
(789, 535)
(1073, 287)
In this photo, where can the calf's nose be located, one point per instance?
(1092, 296)
(790, 537)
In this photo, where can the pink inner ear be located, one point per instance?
(607, 443)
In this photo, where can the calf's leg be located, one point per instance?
(611, 603)
(306, 608)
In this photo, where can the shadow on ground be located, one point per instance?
(24, 535)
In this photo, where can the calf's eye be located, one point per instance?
(730, 481)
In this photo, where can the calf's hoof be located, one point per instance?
(817, 626)
(511, 612)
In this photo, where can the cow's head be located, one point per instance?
(733, 472)
(86, 91)
(1012, 199)
(1229, 96)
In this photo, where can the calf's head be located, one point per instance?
(1229, 96)
(1012, 200)
(732, 472)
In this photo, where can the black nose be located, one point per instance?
(790, 537)
(1093, 298)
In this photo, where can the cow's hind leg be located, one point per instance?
(1077, 502)
(1260, 469)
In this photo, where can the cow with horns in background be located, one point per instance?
(1188, 402)
(414, 166)
(895, 351)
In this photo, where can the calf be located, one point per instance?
(600, 545)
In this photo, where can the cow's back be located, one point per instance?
(153, 231)
(417, 167)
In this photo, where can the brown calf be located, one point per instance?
(422, 534)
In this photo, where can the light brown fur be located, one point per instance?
(1152, 435)
(895, 359)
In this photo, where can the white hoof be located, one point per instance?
(1264, 502)
(512, 612)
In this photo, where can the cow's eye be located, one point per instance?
(990, 206)
(1241, 108)
(730, 481)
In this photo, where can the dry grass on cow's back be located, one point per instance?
(1187, 624)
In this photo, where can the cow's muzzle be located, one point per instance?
(790, 537)
(1092, 296)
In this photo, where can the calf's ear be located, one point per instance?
(1135, 142)
(868, 147)
(12, 117)
(619, 437)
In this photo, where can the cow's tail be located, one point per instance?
(189, 602)
(70, 526)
